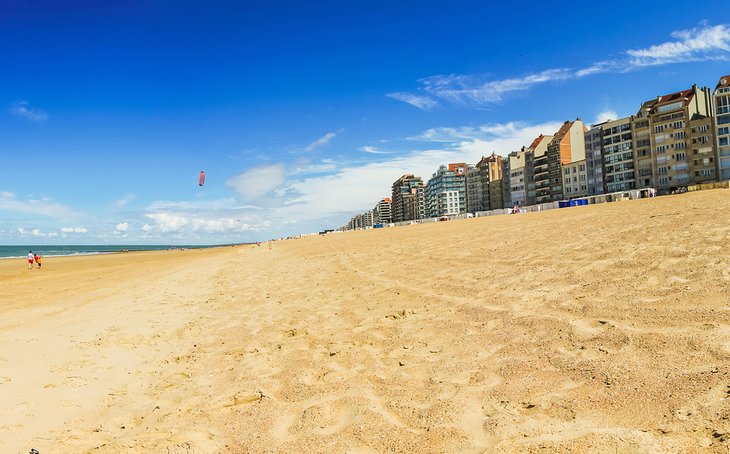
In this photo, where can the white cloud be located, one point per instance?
(324, 140)
(606, 115)
(258, 181)
(24, 110)
(125, 200)
(699, 43)
(464, 89)
(422, 102)
(36, 233)
(373, 150)
(74, 230)
(168, 222)
(185, 205)
(597, 68)
(37, 207)
(185, 223)
(122, 227)
(325, 165)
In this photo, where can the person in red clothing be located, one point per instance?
(38, 259)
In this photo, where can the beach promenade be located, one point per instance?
(603, 328)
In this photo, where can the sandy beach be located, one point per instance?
(591, 329)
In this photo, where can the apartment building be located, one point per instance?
(703, 157)
(446, 191)
(360, 221)
(567, 146)
(536, 150)
(722, 126)
(575, 179)
(474, 194)
(408, 198)
(671, 117)
(506, 192)
(382, 213)
(644, 169)
(517, 172)
(594, 160)
(617, 140)
(490, 169)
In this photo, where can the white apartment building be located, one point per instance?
(575, 179)
(722, 126)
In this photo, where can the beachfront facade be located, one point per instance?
(575, 179)
(446, 191)
(537, 149)
(619, 164)
(644, 170)
(408, 198)
(702, 155)
(721, 97)
(594, 160)
(670, 133)
(382, 213)
(517, 171)
(490, 168)
(474, 193)
(568, 145)
(360, 221)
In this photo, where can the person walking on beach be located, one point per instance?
(31, 259)
(38, 260)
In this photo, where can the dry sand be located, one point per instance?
(591, 329)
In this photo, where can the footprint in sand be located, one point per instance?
(4, 380)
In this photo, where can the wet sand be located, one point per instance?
(590, 329)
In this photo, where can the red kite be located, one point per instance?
(201, 181)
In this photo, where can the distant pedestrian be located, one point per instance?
(38, 259)
(31, 259)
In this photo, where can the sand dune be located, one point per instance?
(591, 329)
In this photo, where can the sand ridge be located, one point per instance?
(592, 329)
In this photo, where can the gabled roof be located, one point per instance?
(684, 95)
(720, 84)
(562, 131)
(536, 142)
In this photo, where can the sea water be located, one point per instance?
(47, 250)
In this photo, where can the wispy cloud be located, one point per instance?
(700, 43)
(74, 230)
(420, 101)
(125, 200)
(373, 150)
(23, 109)
(322, 141)
(38, 207)
(696, 44)
(464, 89)
(305, 167)
(257, 182)
(469, 133)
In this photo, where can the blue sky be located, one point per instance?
(301, 114)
